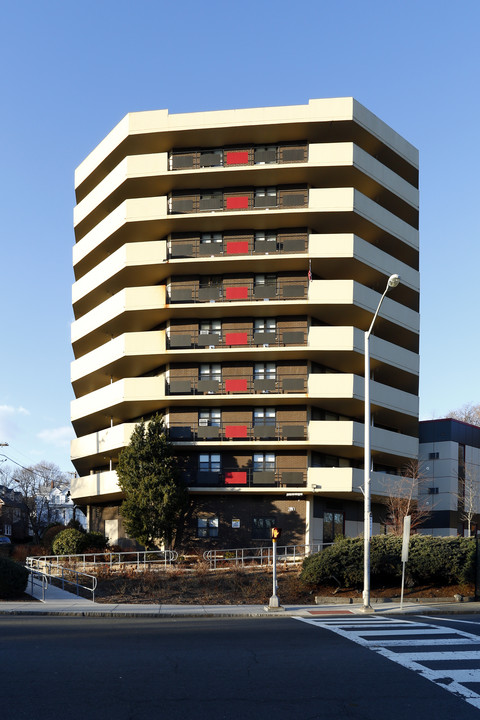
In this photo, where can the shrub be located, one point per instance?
(75, 524)
(13, 578)
(442, 561)
(49, 536)
(95, 541)
(69, 542)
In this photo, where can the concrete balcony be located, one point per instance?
(132, 309)
(121, 401)
(342, 481)
(332, 436)
(133, 265)
(128, 355)
(98, 448)
(90, 488)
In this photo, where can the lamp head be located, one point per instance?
(393, 281)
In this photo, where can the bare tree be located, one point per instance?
(36, 484)
(468, 495)
(468, 413)
(405, 499)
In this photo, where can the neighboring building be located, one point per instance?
(57, 506)
(13, 515)
(449, 455)
(227, 265)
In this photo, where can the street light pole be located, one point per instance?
(392, 282)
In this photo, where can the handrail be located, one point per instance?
(43, 584)
(64, 574)
(293, 553)
(110, 559)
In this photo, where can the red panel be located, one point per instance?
(237, 203)
(237, 158)
(236, 338)
(235, 431)
(236, 385)
(237, 293)
(237, 248)
(235, 478)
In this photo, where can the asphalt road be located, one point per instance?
(285, 669)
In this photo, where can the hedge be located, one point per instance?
(432, 560)
(69, 542)
(13, 578)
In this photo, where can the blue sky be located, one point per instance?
(71, 71)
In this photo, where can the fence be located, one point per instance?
(106, 559)
(261, 555)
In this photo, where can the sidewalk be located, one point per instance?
(60, 602)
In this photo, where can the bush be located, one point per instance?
(75, 524)
(13, 578)
(49, 536)
(96, 541)
(441, 561)
(69, 542)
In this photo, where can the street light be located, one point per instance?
(392, 282)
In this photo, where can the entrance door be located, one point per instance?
(333, 526)
(111, 531)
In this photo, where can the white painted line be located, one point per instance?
(460, 676)
(445, 619)
(413, 631)
(442, 655)
(427, 641)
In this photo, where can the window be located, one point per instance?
(7, 529)
(264, 371)
(209, 418)
(207, 527)
(263, 462)
(264, 416)
(210, 371)
(433, 456)
(209, 462)
(211, 327)
(333, 524)
(266, 237)
(265, 197)
(433, 490)
(262, 279)
(262, 528)
(208, 238)
(265, 325)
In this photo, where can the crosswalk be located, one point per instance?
(446, 656)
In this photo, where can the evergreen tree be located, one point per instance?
(156, 499)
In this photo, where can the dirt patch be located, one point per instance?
(237, 587)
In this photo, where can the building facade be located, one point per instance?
(449, 455)
(226, 267)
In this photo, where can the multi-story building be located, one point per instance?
(226, 267)
(449, 455)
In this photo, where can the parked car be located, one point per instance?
(4, 540)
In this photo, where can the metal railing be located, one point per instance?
(194, 384)
(237, 291)
(231, 246)
(248, 477)
(261, 555)
(63, 575)
(193, 432)
(38, 579)
(107, 559)
(280, 337)
(236, 200)
(235, 157)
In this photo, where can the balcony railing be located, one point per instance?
(237, 200)
(238, 291)
(235, 157)
(280, 337)
(230, 246)
(238, 431)
(238, 384)
(248, 477)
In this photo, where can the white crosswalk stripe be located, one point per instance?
(392, 639)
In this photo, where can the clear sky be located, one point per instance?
(70, 71)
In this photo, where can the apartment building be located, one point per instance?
(449, 455)
(226, 267)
